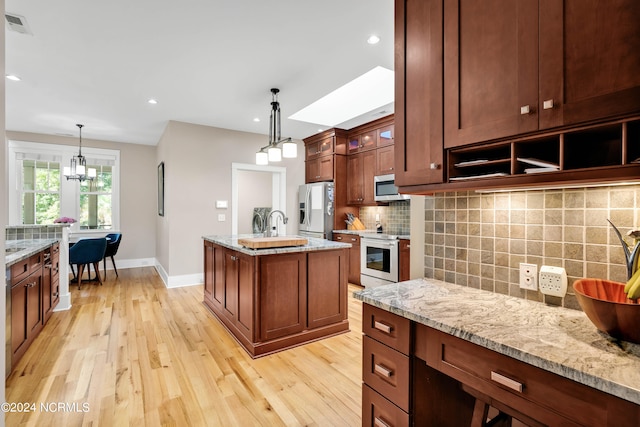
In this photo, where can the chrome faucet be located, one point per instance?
(273, 230)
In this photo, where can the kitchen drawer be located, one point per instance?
(386, 371)
(388, 328)
(534, 392)
(22, 269)
(380, 412)
(354, 239)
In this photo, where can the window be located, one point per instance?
(95, 200)
(42, 194)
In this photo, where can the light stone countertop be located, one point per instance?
(26, 249)
(556, 339)
(368, 231)
(314, 244)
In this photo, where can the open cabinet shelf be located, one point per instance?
(557, 157)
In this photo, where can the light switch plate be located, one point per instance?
(222, 217)
(553, 281)
(221, 204)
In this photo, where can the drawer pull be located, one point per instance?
(506, 381)
(378, 422)
(382, 327)
(382, 371)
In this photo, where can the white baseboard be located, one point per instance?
(179, 281)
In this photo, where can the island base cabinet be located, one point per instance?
(282, 295)
(276, 301)
(327, 287)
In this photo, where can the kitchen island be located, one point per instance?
(276, 298)
(537, 363)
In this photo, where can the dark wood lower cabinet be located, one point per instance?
(452, 382)
(34, 294)
(273, 302)
(354, 255)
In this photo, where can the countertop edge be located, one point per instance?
(314, 245)
(597, 382)
(32, 247)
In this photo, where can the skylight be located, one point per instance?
(371, 90)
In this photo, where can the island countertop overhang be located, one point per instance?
(314, 244)
(556, 339)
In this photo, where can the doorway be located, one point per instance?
(250, 187)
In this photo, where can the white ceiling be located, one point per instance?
(209, 62)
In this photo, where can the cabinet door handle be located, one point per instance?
(408, 246)
(506, 381)
(548, 104)
(525, 109)
(382, 371)
(353, 239)
(382, 327)
(339, 238)
(378, 422)
(434, 166)
(234, 258)
(30, 285)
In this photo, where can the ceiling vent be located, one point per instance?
(17, 23)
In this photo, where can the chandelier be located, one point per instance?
(273, 152)
(78, 169)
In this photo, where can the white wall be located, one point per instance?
(256, 193)
(197, 173)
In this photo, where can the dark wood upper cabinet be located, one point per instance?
(589, 60)
(419, 92)
(513, 67)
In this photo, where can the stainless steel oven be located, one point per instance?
(378, 259)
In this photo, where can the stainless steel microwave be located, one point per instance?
(385, 189)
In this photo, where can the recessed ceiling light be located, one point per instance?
(373, 39)
(152, 101)
(14, 78)
(257, 119)
(370, 91)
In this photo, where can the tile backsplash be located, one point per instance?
(479, 239)
(34, 232)
(395, 218)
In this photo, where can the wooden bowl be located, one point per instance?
(607, 306)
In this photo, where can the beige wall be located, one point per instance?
(198, 172)
(137, 190)
(256, 193)
(479, 240)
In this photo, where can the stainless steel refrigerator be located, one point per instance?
(316, 209)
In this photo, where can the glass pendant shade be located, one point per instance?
(275, 154)
(262, 158)
(289, 150)
(77, 168)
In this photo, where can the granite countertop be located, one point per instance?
(314, 244)
(361, 232)
(26, 249)
(556, 339)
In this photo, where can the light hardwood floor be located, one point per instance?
(137, 353)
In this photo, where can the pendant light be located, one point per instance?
(275, 153)
(78, 168)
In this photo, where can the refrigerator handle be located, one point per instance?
(307, 208)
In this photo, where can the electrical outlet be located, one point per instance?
(553, 281)
(528, 276)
